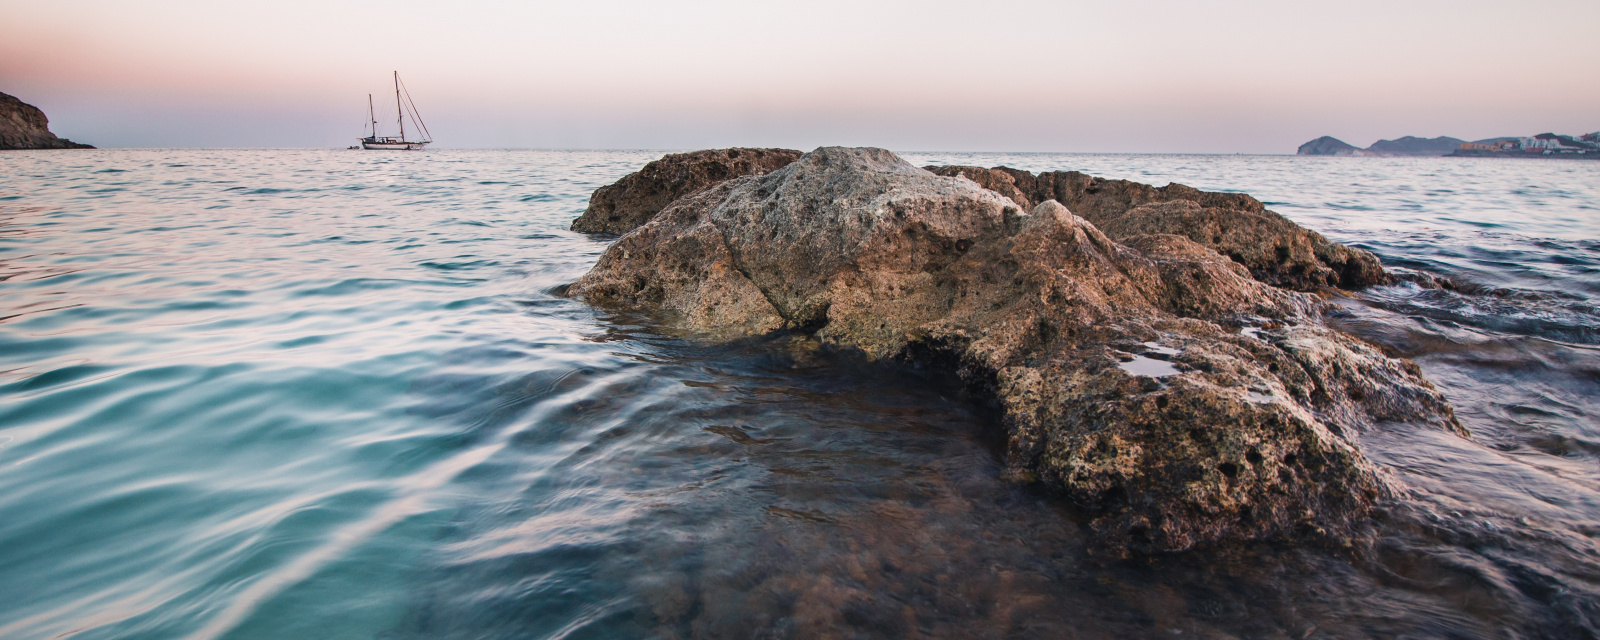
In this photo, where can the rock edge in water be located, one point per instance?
(1150, 379)
(24, 126)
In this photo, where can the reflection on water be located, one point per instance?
(329, 395)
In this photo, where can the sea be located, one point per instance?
(335, 394)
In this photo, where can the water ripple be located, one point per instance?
(330, 394)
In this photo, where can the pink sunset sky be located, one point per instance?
(1133, 76)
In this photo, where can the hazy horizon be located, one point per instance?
(1145, 76)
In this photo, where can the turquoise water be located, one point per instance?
(329, 394)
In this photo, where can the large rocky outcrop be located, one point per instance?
(1274, 249)
(620, 207)
(24, 126)
(1152, 381)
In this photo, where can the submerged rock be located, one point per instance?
(1275, 250)
(24, 126)
(620, 207)
(1153, 381)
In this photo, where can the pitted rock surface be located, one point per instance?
(620, 207)
(1273, 248)
(1246, 432)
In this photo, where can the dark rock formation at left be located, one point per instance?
(1151, 380)
(633, 200)
(24, 126)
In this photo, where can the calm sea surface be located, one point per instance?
(329, 394)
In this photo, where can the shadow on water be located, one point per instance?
(771, 489)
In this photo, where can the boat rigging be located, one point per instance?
(402, 106)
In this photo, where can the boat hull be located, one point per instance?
(392, 146)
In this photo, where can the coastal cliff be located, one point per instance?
(24, 126)
(1166, 387)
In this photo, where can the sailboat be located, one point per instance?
(402, 105)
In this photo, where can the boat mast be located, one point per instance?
(372, 116)
(398, 112)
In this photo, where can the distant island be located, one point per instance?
(24, 126)
(1544, 145)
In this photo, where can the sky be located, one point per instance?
(1161, 76)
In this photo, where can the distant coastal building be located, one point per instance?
(1540, 142)
(1543, 145)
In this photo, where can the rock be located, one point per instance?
(1329, 146)
(24, 126)
(1101, 199)
(1125, 379)
(694, 278)
(619, 207)
(1274, 249)
(1001, 180)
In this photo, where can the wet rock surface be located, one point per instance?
(24, 126)
(620, 207)
(1276, 250)
(1247, 433)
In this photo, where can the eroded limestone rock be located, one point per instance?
(1001, 180)
(692, 275)
(1153, 381)
(1236, 225)
(1275, 250)
(620, 207)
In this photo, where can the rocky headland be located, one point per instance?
(24, 126)
(1329, 146)
(1157, 353)
(1405, 146)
